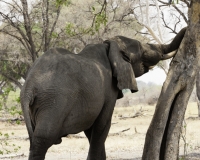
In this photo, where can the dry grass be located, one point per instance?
(127, 145)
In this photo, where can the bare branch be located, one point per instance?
(27, 25)
(166, 3)
(18, 38)
(147, 12)
(55, 22)
(178, 10)
(142, 15)
(186, 2)
(45, 17)
(158, 22)
(10, 4)
(167, 26)
(151, 33)
(181, 13)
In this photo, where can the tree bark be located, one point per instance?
(162, 138)
(198, 92)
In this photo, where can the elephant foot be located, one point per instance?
(39, 147)
(38, 157)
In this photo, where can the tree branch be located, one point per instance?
(166, 26)
(18, 38)
(18, 9)
(156, 38)
(181, 13)
(102, 9)
(158, 23)
(54, 24)
(186, 2)
(11, 79)
(27, 25)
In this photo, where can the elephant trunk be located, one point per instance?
(174, 45)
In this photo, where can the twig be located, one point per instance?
(12, 156)
(11, 120)
(125, 130)
(75, 136)
(114, 134)
(114, 123)
(137, 114)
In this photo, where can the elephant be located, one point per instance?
(66, 93)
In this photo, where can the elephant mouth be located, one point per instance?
(150, 63)
(146, 68)
(141, 70)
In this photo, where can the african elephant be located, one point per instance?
(66, 93)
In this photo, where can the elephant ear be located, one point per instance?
(121, 67)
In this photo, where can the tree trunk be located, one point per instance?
(162, 138)
(198, 92)
(198, 109)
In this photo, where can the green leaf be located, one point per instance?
(17, 99)
(93, 8)
(63, 2)
(54, 35)
(69, 29)
(18, 122)
(6, 135)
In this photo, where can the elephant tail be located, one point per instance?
(26, 101)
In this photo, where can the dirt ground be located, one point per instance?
(125, 140)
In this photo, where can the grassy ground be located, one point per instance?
(125, 140)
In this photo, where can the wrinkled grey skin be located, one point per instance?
(66, 93)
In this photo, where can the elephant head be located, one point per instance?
(130, 58)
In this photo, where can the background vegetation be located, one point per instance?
(29, 28)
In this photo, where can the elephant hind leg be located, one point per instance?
(98, 133)
(39, 147)
(97, 137)
(46, 133)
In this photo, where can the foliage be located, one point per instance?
(26, 31)
(96, 21)
(174, 1)
(100, 17)
(63, 2)
(9, 107)
(10, 104)
(6, 146)
(61, 23)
